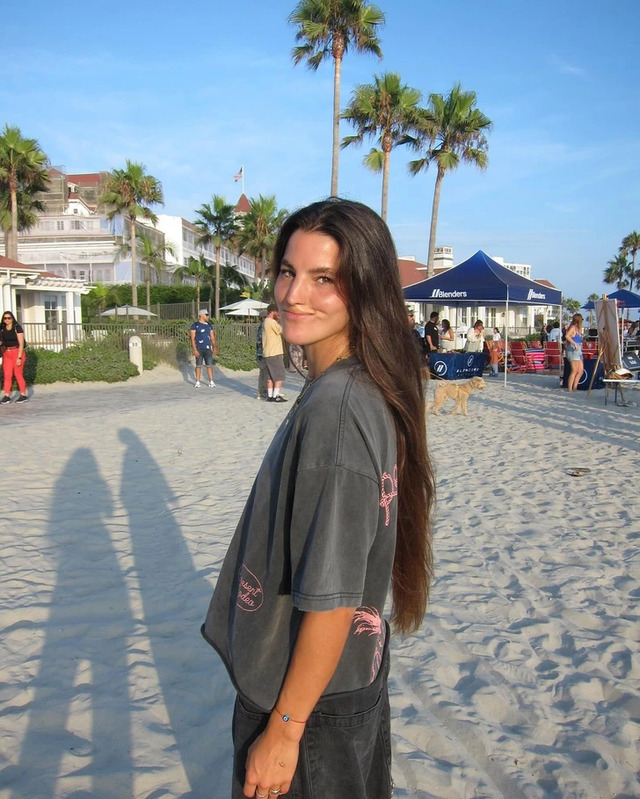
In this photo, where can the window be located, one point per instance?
(51, 312)
(491, 318)
(76, 224)
(60, 224)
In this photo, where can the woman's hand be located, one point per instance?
(271, 762)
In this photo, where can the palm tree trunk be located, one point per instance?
(217, 282)
(434, 222)
(134, 264)
(148, 283)
(8, 238)
(385, 184)
(14, 219)
(337, 70)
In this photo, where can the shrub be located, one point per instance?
(88, 361)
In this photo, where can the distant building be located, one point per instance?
(182, 235)
(41, 301)
(73, 238)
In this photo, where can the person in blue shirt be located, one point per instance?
(203, 341)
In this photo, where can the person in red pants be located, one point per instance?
(13, 357)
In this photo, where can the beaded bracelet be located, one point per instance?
(286, 718)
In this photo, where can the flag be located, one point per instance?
(238, 175)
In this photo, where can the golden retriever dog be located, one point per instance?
(458, 392)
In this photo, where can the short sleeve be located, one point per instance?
(334, 523)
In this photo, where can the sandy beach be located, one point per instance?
(119, 501)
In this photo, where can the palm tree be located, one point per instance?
(453, 130)
(231, 278)
(327, 29)
(131, 191)
(218, 226)
(258, 290)
(27, 216)
(153, 256)
(259, 230)
(386, 109)
(617, 271)
(196, 268)
(592, 298)
(630, 246)
(23, 167)
(100, 296)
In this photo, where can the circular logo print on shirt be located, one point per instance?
(250, 594)
(440, 368)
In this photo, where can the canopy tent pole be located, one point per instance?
(506, 338)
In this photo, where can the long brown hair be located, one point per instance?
(369, 280)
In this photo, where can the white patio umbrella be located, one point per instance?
(254, 305)
(244, 312)
(127, 310)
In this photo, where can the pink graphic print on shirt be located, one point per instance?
(367, 620)
(250, 594)
(388, 491)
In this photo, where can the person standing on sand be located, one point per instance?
(203, 342)
(13, 357)
(573, 351)
(339, 511)
(475, 338)
(273, 350)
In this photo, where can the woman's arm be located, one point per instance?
(20, 345)
(570, 334)
(272, 758)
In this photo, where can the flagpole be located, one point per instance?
(242, 170)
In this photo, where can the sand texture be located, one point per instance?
(117, 506)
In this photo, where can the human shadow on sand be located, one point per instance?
(84, 660)
(174, 599)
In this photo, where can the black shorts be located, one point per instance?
(346, 747)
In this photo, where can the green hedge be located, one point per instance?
(86, 362)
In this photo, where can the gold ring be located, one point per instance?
(261, 795)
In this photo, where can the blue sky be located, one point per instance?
(194, 90)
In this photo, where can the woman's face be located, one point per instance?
(7, 320)
(312, 311)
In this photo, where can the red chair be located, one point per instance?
(518, 356)
(552, 355)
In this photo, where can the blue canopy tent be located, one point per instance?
(623, 298)
(482, 281)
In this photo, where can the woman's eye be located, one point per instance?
(325, 279)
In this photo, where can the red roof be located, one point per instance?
(243, 205)
(544, 282)
(411, 271)
(87, 179)
(8, 263)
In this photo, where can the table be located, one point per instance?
(457, 365)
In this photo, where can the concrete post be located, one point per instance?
(135, 352)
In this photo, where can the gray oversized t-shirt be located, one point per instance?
(317, 533)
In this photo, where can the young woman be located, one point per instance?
(13, 357)
(573, 351)
(339, 512)
(447, 338)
